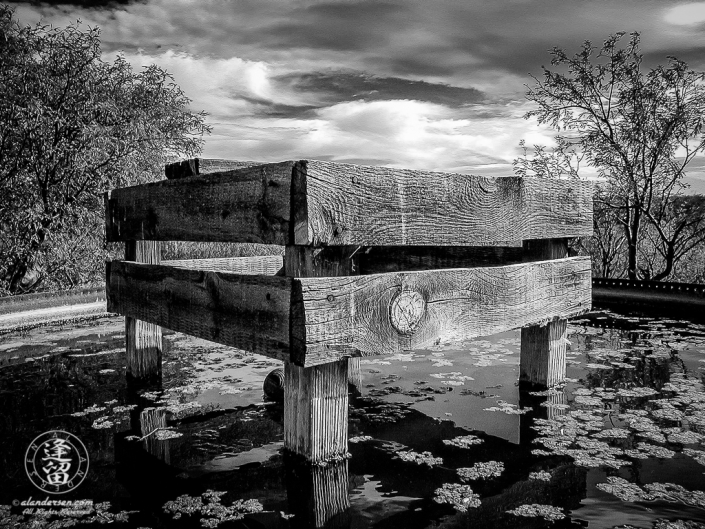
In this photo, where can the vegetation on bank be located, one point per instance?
(637, 130)
(73, 125)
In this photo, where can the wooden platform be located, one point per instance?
(376, 261)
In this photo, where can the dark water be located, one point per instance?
(439, 438)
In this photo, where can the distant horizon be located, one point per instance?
(433, 86)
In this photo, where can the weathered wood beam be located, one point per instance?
(326, 319)
(260, 264)
(243, 205)
(343, 204)
(335, 204)
(387, 313)
(143, 339)
(250, 312)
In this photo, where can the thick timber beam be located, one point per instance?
(241, 205)
(249, 312)
(318, 203)
(343, 204)
(543, 347)
(315, 320)
(143, 339)
(336, 317)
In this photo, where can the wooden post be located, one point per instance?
(316, 398)
(143, 341)
(542, 359)
(316, 411)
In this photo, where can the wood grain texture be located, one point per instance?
(250, 312)
(542, 359)
(316, 410)
(143, 340)
(343, 204)
(242, 205)
(261, 264)
(389, 313)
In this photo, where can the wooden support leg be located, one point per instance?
(542, 361)
(143, 341)
(316, 411)
(316, 398)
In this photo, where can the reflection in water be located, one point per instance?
(415, 421)
(318, 496)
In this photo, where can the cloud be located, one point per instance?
(692, 14)
(339, 86)
(433, 85)
(398, 133)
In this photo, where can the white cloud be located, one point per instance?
(400, 133)
(691, 14)
(215, 85)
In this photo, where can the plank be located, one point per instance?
(344, 204)
(250, 312)
(387, 313)
(143, 339)
(242, 205)
(260, 264)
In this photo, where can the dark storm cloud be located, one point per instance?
(336, 87)
(335, 26)
(90, 4)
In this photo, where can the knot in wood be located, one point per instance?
(406, 310)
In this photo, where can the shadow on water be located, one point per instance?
(438, 438)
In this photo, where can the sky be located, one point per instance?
(422, 84)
